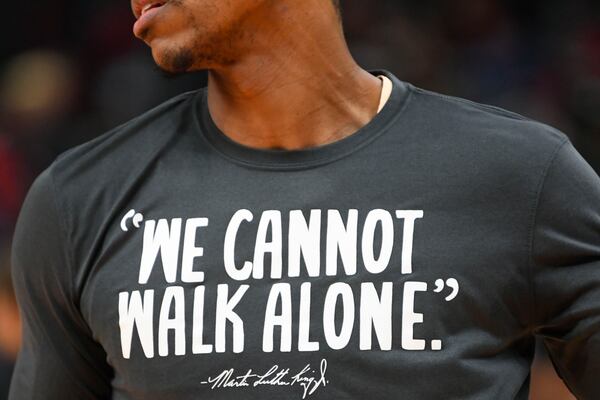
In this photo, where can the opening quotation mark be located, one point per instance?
(135, 217)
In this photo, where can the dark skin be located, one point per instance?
(280, 72)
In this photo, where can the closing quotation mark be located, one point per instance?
(451, 283)
(136, 219)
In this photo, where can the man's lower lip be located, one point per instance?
(145, 19)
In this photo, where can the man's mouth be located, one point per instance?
(148, 7)
(145, 11)
(141, 7)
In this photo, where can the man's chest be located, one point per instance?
(285, 287)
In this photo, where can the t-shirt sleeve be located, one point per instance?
(59, 358)
(566, 270)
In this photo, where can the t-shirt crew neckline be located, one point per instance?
(308, 157)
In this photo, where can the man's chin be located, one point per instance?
(168, 73)
(174, 61)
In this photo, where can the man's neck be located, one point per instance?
(298, 87)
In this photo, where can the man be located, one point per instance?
(278, 235)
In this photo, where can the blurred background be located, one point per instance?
(71, 69)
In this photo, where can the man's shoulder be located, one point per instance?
(487, 126)
(125, 145)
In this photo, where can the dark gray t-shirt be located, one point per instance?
(414, 259)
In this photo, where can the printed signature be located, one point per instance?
(307, 379)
